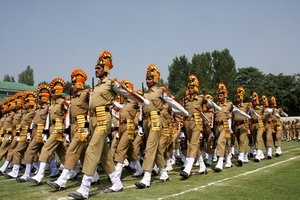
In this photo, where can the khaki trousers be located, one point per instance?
(75, 151)
(33, 149)
(193, 138)
(268, 139)
(223, 143)
(52, 145)
(242, 136)
(98, 150)
(4, 149)
(124, 145)
(11, 149)
(258, 136)
(152, 140)
(19, 152)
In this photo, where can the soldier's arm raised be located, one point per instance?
(118, 88)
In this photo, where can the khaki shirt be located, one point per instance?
(154, 95)
(9, 121)
(27, 117)
(129, 110)
(2, 120)
(17, 117)
(225, 112)
(166, 114)
(80, 104)
(57, 109)
(243, 107)
(259, 110)
(194, 105)
(102, 94)
(40, 115)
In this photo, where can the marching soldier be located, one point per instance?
(208, 134)
(38, 125)
(57, 112)
(152, 124)
(223, 127)
(100, 124)
(127, 129)
(269, 126)
(257, 127)
(241, 125)
(25, 133)
(79, 131)
(278, 126)
(193, 125)
(12, 126)
(5, 143)
(223, 122)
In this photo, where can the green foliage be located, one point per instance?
(219, 66)
(43, 82)
(26, 76)
(179, 70)
(9, 78)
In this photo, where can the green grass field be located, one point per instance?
(278, 178)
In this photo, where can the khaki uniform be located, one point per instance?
(152, 124)
(127, 129)
(193, 125)
(36, 144)
(115, 140)
(23, 144)
(100, 125)
(207, 132)
(297, 130)
(269, 124)
(79, 110)
(287, 131)
(222, 130)
(55, 141)
(241, 127)
(277, 136)
(257, 128)
(164, 139)
(5, 143)
(17, 117)
(2, 120)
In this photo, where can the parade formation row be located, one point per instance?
(111, 124)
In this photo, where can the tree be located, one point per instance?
(9, 78)
(251, 79)
(43, 82)
(224, 69)
(26, 76)
(202, 67)
(179, 71)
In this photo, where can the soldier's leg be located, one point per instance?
(17, 157)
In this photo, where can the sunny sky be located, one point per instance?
(55, 37)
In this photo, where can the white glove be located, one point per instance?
(67, 139)
(212, 134)
(117, 135)
(181, 135)
(3, 139)
(45, 138)
(9, 138)
(140, 131)
(28, 139)
(18, 139)
(200, 136)
(146, 102)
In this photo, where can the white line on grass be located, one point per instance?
(226, 179)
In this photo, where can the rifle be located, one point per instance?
(205, 119)
(143, 89)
